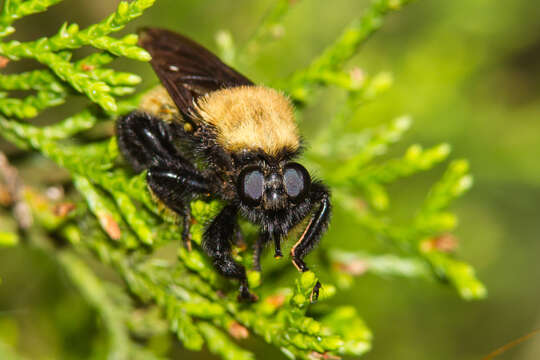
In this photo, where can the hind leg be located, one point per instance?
(147, 143)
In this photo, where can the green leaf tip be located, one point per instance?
(8, 239)
(460, 274)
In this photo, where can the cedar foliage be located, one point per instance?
(115, 220)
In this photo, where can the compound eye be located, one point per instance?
(297, 181)
(250, 185)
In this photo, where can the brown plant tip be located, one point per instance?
(276, 301)
(326, 356)
(86, 67)
(5, 197)
(189, 246)
(443, 243)
(63, 209)
(238, 331)
(3, 62)
(14, 189)
(110, 225)
(360, 204)
(355, 267)
(357, 76)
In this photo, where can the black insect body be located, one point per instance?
(244, 140)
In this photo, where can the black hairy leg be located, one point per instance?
(217, 242)
(175, 187)
(277, 247)
(238, 239)
(147, 141)
(147, 144)
(313, 232)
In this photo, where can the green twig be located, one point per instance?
(334, 57)
(269, 29)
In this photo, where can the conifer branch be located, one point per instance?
(115, 219)
(329, 65)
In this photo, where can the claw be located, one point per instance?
(277, 247)
(315, 293)
(245, 295)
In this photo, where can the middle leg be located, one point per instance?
(175, 186)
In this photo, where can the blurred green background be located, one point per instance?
(468, 72)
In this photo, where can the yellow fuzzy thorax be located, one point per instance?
(158, 103)
(250, 117)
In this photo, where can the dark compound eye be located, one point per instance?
(297, 181)
(250, 185)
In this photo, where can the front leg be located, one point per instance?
(217, 241)
(313, 232)
(148, 143)
(263, 239)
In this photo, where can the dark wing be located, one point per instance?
(186, 69)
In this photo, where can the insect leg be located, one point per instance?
(313, 232)
(263, 239)
(217, 244)
(238, 238)
(146, 141)
(175, 186)
(277, 247)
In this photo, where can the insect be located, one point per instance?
(210, 132)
